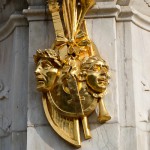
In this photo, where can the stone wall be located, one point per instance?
(121, 31)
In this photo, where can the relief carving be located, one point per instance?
(3, 91)
(147, 2)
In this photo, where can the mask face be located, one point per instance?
(97, 77)
(45, 75)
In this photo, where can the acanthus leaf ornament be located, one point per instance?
(71, 77)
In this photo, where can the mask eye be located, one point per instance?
(45, 65)
(105, 68)
(96, 67)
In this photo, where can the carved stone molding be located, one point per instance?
(147, 2)
(14, 21)
(43, 2)
(101, 9)
(3, 91)
(141, 20)
(131, 14)
(123, 2)
(36, 2)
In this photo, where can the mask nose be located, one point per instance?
(38, 70)
(103, 73)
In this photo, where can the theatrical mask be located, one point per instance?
(71, 75)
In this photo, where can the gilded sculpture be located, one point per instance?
(70, 74)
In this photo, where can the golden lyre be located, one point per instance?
(71, 77)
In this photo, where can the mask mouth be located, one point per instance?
(98, 84)
(102, 81)
(41, 82)
(41, 78)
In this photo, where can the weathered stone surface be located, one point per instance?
(13, 73)
(125, 75)
(128, 139)
(103, 138)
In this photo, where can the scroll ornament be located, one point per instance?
(71, 74)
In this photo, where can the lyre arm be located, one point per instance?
(54, 9)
